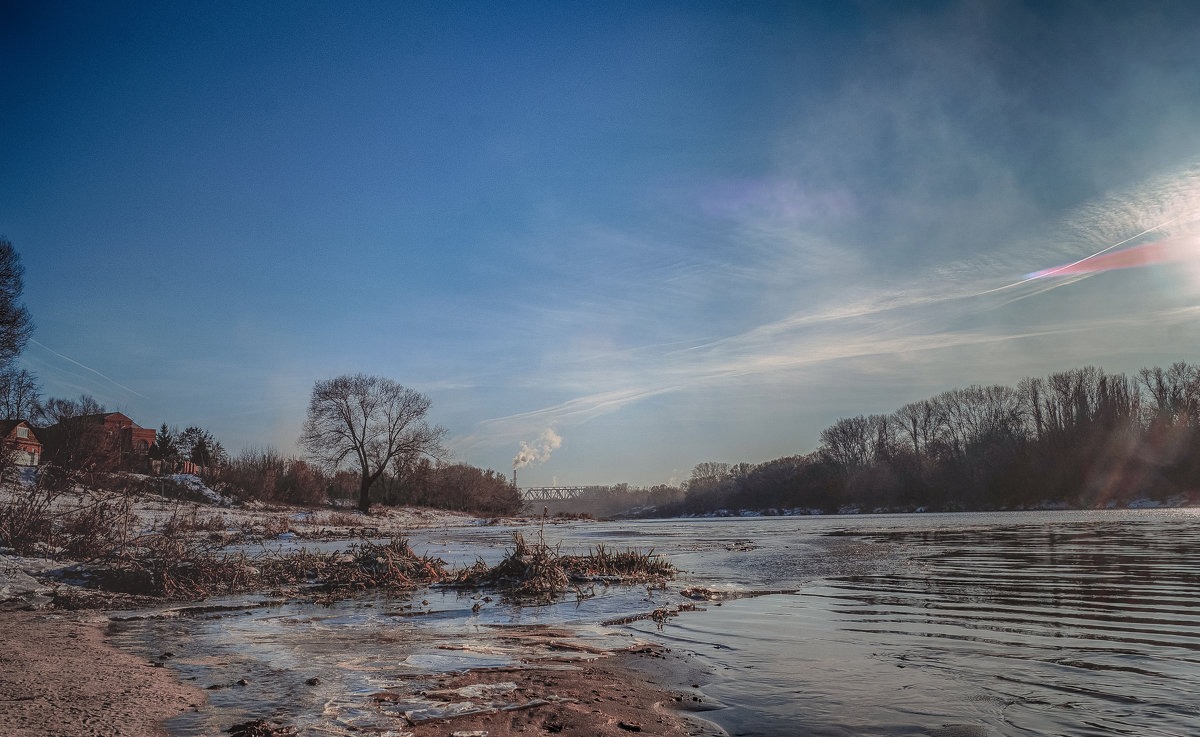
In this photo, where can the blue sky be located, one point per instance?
(665, 232)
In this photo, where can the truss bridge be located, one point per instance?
(551, 493)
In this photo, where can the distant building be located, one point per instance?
(18, 436)
(107, 441)
(135, 440)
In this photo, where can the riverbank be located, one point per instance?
(564, 689)
(60, 676)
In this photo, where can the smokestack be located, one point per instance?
(514, 478)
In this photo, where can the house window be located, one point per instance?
(22, 432)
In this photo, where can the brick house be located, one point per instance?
(18, 436)
(106, 441)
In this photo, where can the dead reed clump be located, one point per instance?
(96, 529)
(179, 568)
(391, 564)
(276, 526)
(261, 728)
(47, 520)
(537, 571)
(527, 571)
(343, 519)
(266, 525)
(192, 520)
(366, 565)
(628, 566)
(26, 519)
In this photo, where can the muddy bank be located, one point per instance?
(640, 692)
(58, 676)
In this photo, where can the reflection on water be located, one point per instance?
(1075, 625)
(1068, 623)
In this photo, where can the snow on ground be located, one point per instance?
(154, 511)
(192, 482)
(30, 581)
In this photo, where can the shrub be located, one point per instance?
(302, 484)
(39, 520)
(267, 476)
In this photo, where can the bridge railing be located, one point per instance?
(551, 493)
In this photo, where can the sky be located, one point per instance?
(610, 240)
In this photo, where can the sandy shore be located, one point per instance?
(58, 676)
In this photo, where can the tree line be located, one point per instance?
(1080, 438)
(366, 438)
(415, 470)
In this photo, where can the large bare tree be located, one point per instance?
(15, 324)
(367, 422)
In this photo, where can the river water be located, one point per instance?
(958, 625)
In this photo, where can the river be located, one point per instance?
(942, 625)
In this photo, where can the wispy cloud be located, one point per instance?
(945, 307)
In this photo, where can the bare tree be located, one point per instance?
(884, 434)
(368, 421)
(707, 476)
(73, 438)
(972, 414)
(1032, 392)
(15, 326)
(57, 410)
(847, 442)
(19, 394)
(1174, 393)
(919, 421)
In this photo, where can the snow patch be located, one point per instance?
(1144, 503)
(192, 482)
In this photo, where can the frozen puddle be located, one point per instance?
(356, 666)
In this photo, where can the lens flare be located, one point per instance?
(1171, 250)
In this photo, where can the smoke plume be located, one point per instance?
(539, 451)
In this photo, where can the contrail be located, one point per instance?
(1144, 254)
(88, 368)
(1067, 267)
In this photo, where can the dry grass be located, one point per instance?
(192, 520)
(261, 728)
(629, 566)
(177, 568)
(264, 525)
(45, 520)
(27, 519)
(171, 561)
(537, 571)
(183, 557)
(342, 519)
